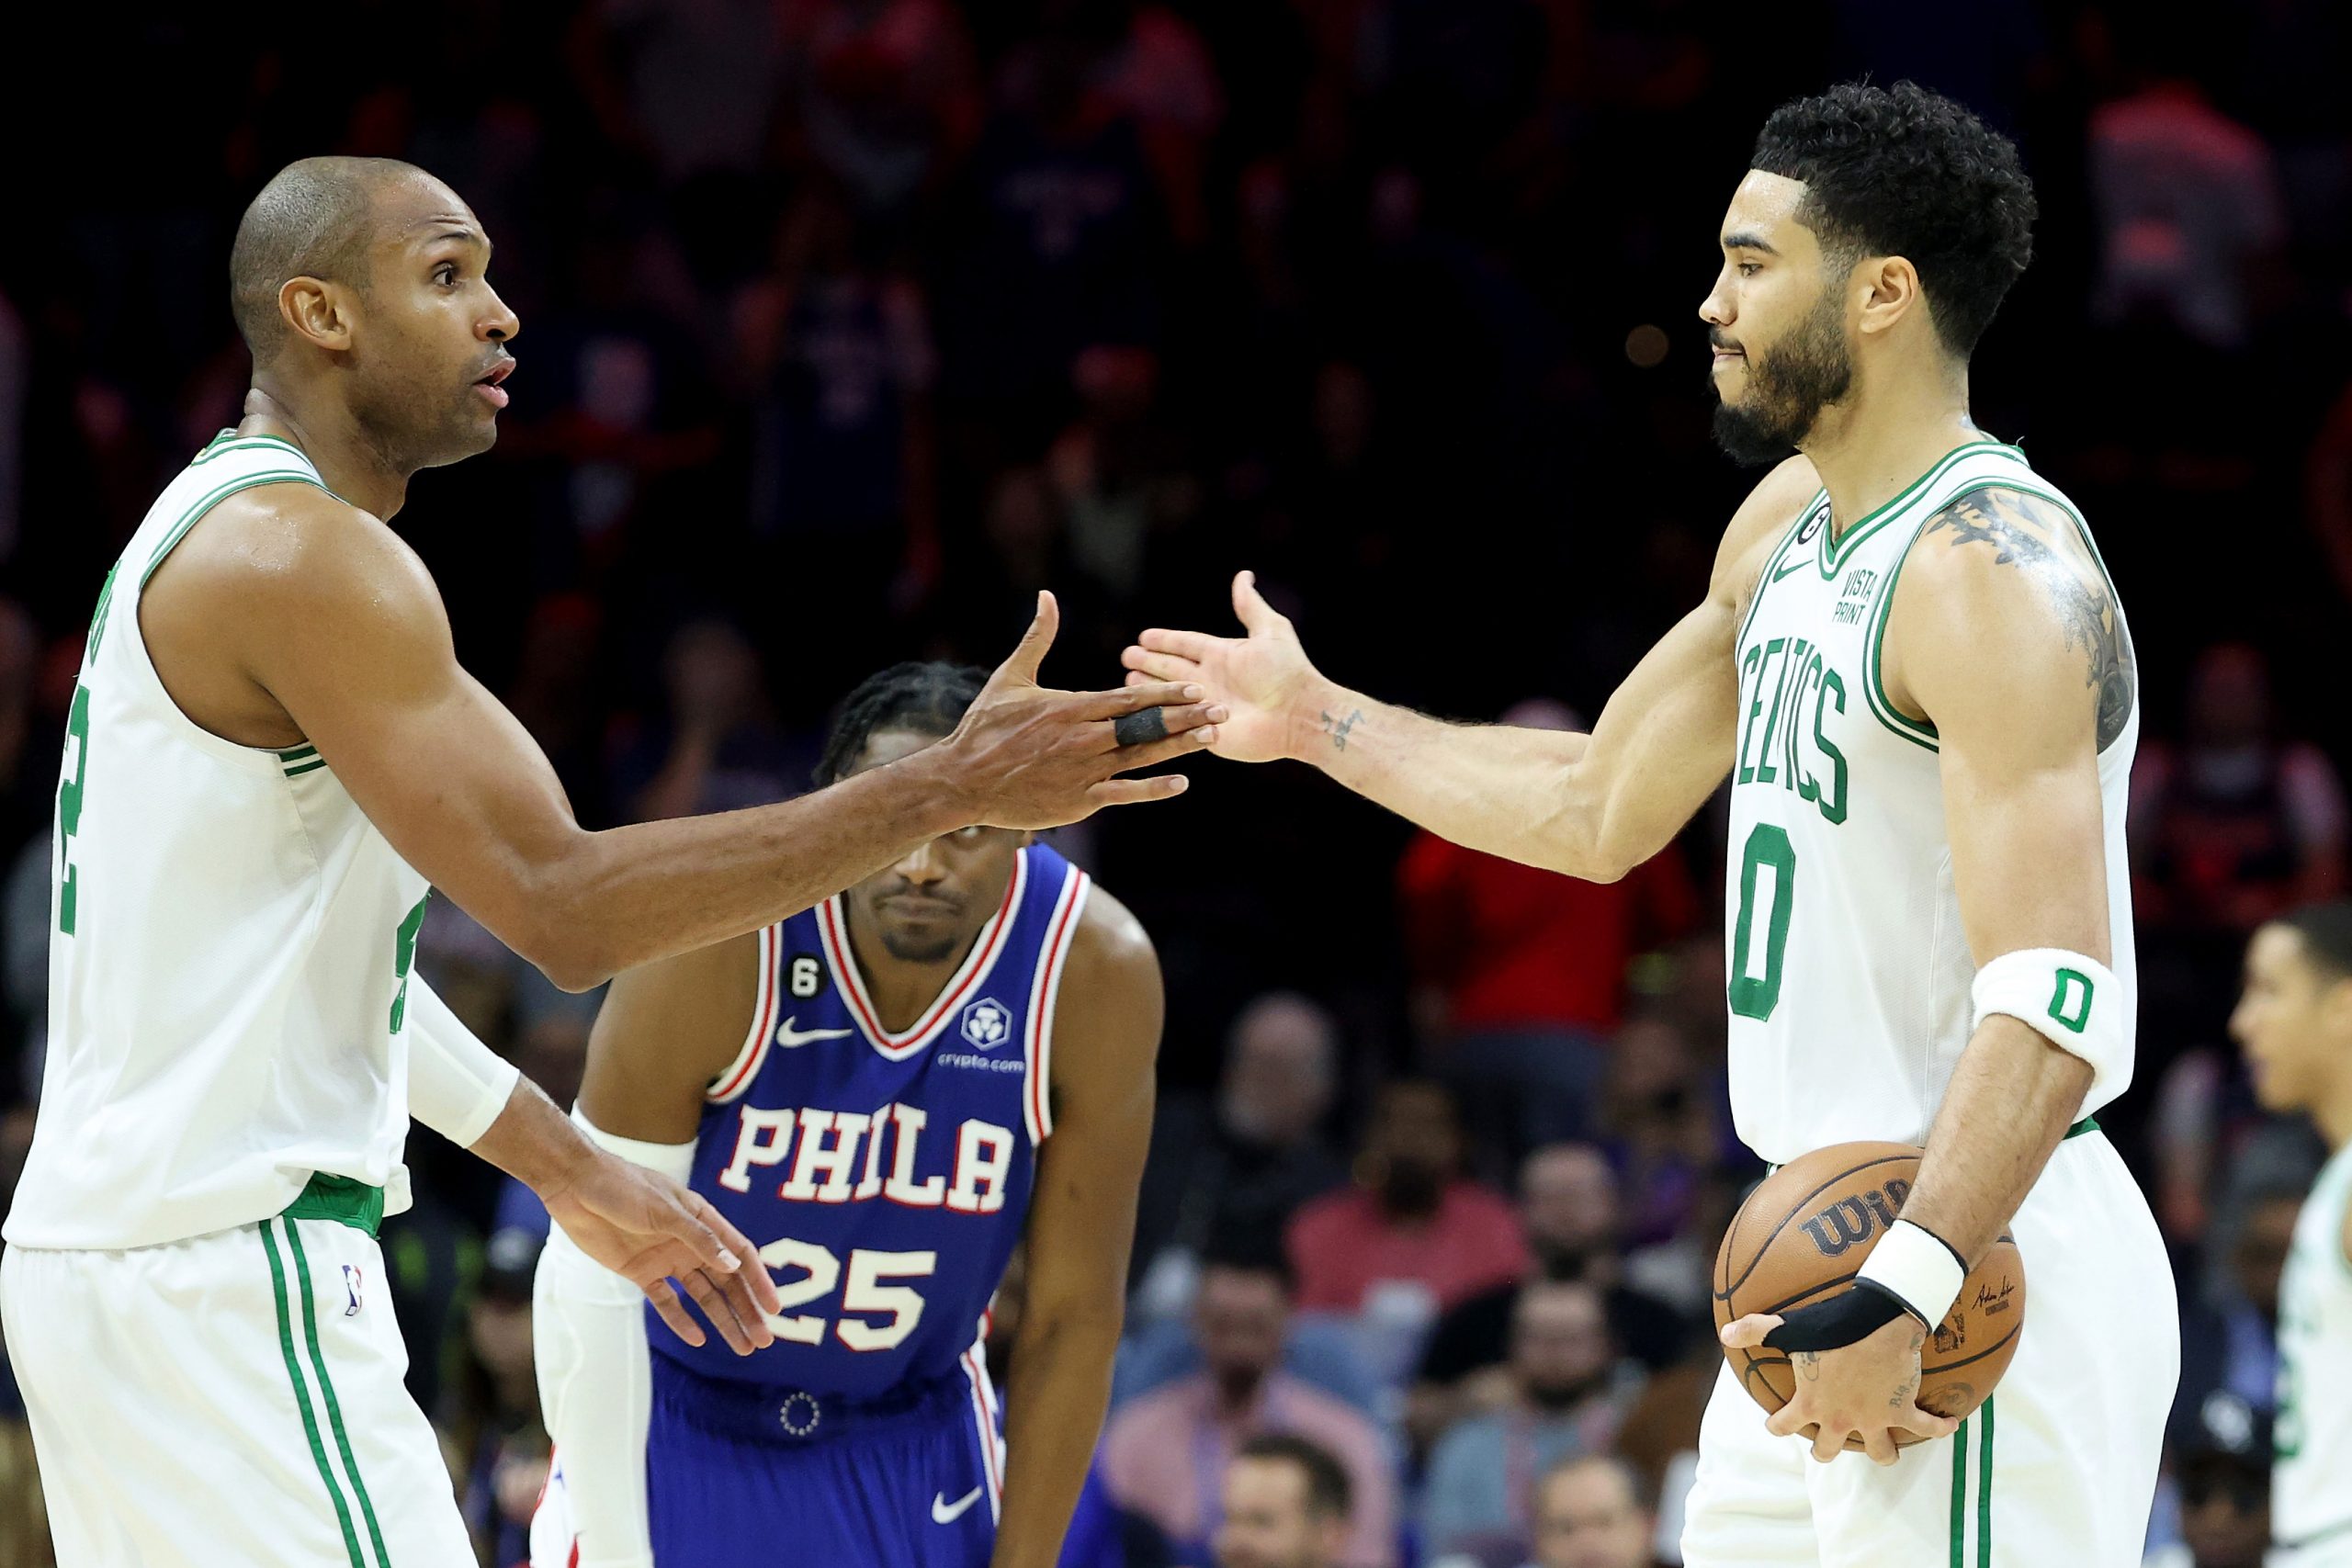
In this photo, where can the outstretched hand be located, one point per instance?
(1262, 679)
(651, 1231)
(1032, 757)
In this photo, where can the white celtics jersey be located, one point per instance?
(229, 947)
(2311, 1489)
(1848, 969)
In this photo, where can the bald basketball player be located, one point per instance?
(272, 754)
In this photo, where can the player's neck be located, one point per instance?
(1872, 448)
(349, 463)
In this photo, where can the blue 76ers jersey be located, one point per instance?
(885, 1177)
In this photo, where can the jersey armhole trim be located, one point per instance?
(1764, 578)
(142, 663)
(733, 1080)
(1045, 996)
(1882, 706)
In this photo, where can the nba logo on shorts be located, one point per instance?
(985, 1023)
(351, 1282)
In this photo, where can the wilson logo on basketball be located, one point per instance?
(1850, 1221)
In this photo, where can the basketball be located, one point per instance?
(1802, 1234)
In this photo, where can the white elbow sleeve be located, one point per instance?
(456, 1085)
(2070, 999)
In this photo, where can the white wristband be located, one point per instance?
(1913, 1265)
(2070, 999)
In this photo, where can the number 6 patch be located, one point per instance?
(804, 976)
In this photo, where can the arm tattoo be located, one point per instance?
(1807, 1364)
(1909, 1388)
(2038, 539)
(1336, 728)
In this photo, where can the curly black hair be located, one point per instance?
(1904, 171)
(927, 699)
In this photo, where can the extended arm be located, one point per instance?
(1589, 806)
(1082, 1219)
(334, 622)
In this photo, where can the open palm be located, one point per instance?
(1262, 679)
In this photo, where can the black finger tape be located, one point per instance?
(1140, 727)
(1844, 1318)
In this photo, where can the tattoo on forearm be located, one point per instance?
(1336, 728)
(1909, 1387)
(2038, 539)
(1807, 1363)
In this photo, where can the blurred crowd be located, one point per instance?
(848, 324)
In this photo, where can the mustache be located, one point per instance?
(908, 890)
(1717, 339)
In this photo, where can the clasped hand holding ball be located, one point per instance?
(1839, 1357)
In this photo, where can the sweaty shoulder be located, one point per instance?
(1757, 527)
(2009, 568)
(278, 582)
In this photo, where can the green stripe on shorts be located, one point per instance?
(327, 1387)
(1984, 1493)
(1959, 1493)
(302, 1397)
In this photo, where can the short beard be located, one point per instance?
(1788, 387)
(938, 952)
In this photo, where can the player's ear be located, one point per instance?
(316, 311)
(1889, 286)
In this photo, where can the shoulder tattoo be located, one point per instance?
(2038, 539)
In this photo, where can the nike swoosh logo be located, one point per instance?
(788, 1037)
(1785, 570)
(943, 1512)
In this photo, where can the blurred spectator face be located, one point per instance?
(2224, 1512)
(1779, 335)
(714, 677)
(1588, 1515)
(1568, 1199)
(1238, 1319)
(2229, 697)
(1268, 1521)
(1414, 1144)
(930, 906)
(2260, 1255)
(1651, 1065)
(2293, 1021)
(1278, 1083)
(1559, 1342)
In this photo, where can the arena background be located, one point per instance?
(849, 323)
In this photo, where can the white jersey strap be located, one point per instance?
(1045, 996)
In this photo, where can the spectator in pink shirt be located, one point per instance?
(1165, 1453)
(1413, 1233)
